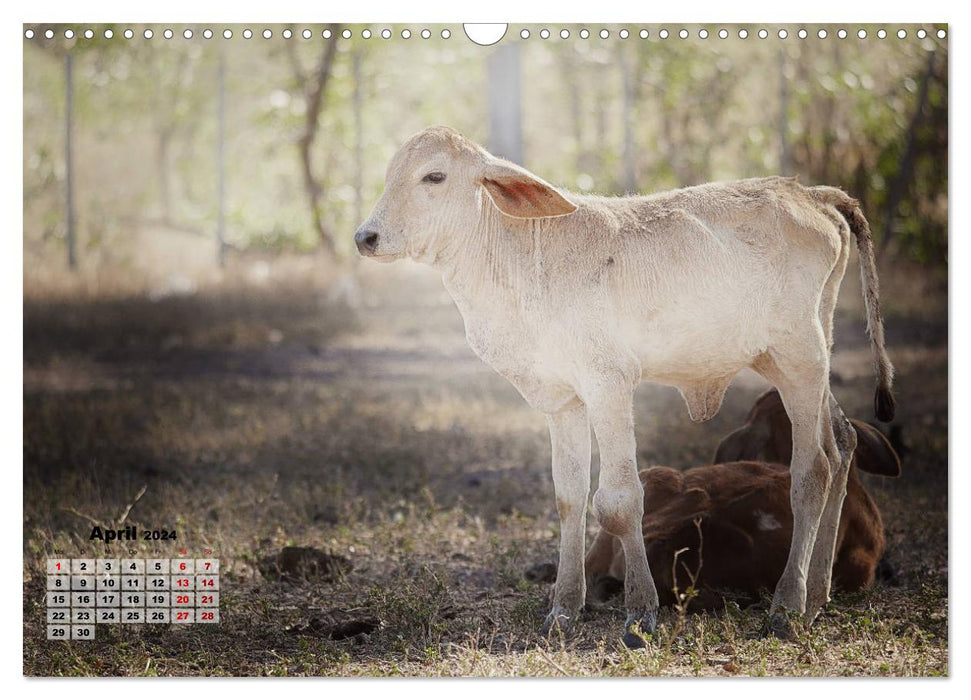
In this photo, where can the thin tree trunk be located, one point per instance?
(221, 165)
(505, 103)
(358, 140)
(72, 261)
(905, 173)
(570, 70)
(629, 177)
(314, 89)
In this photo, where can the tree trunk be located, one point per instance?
(221, 164)
(315, 87)
(72, 261)
(505, 104)
(905, 173)
(628, 155)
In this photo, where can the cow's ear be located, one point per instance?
(522, 195)
(874, 454)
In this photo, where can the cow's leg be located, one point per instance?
(839, 438)
(570, 438)
(619, 501)
(801, 377)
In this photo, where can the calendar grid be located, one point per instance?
(83, 593)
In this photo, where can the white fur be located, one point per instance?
(577, 299)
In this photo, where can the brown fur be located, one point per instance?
(734, 502)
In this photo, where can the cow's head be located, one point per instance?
(435, 189)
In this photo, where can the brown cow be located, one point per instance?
(745, 516)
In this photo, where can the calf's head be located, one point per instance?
(436, 187)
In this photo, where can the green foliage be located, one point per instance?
(146, 129)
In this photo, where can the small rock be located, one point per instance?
(294, 563)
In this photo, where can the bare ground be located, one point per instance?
(258, 418)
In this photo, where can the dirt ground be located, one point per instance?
(263, 416)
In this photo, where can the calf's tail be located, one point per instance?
(883, 401)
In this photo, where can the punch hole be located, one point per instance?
(743, 34)
(861, 33)
(722, 33)
(68, 33)
(783, 34)
(624, 33)
(683, 33)
(425, 34)
(544, 34)
(564, 33)
(129, 33)
(585, 33)
(187, 33)
(227, 34)
(148, 34)
(247, 34)
(902, 34)
(346, 33)
(763, 34)
(821, 34)
(663, 33)
(524, 34)
(385, 33)
(841, 33)
(267, 34)
(306, 33)
(703, 33)
(485, 34)
(88, 34)
(49, 34)
(366, 34)
(287, 33)
(109, 34)
(446, 33)
(29, 34)
(643, 34)
(604, 34)
(327, 34)
(207, 34)
(405, 33)
(882, 34)
(941, 33)
(168, 33)
(921, 34)
(802, 33)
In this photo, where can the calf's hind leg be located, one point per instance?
(834, 426)
(801, 378)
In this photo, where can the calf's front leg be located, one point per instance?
(619, 504)
(570, 439)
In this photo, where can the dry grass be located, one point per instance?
(260, 418)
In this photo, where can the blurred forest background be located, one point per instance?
(187, 153)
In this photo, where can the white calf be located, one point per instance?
(576, 299)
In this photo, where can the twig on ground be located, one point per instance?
(124, 516)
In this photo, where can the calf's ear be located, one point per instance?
(874, 454)
(520, 194)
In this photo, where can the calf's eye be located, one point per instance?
(434, 177)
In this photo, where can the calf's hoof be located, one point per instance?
(779, 624)
(560, 620)
(638, 626)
